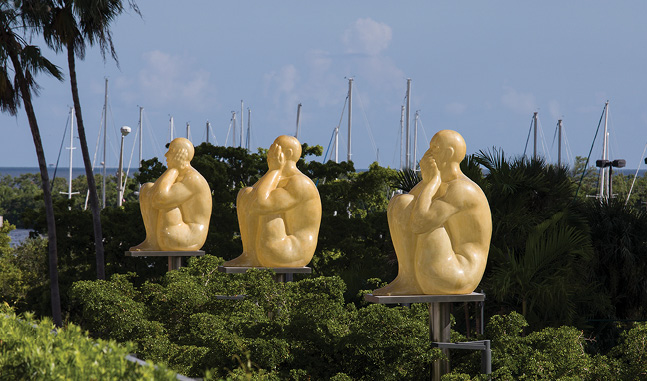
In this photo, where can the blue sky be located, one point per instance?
(481, 68)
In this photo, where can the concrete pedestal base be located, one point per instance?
(439, 320)
(174, 257)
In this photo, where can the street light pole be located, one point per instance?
(125, 130)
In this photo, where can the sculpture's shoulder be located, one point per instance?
(466, 189)
(302, 182)
(195, 178)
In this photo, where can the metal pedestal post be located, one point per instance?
(174, 263)
(440, 331)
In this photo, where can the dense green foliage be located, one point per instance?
(303, 327)
(31, 350)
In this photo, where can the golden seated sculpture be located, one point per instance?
(441, 229)
(176, 208)
(279, 216)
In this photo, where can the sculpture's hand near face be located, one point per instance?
(428, 167)
(275, 158)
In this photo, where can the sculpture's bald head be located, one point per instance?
(290, 147)
(450, 145)
(180, 153)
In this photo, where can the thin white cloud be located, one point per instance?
(367, 36)
(167, 80)
(523, 103)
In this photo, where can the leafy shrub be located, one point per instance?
(30, 350)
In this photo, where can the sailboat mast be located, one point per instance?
(605, 154)
(534, 147)
(188, 130)
(233, 120)
(401, 132)
(559, 143)
(296, 135)
(208, 128)
(350, 116)
(141, 134)
(415, 142)
(240, 144)
(69, 184)
(170, 129)
(408, 117)
(249, 127)
(105, 138)
(337, 144)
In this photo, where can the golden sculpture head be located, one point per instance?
(180, 153)
(285, 148)
(448, 146)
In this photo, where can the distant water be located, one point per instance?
(60, 172)
(18, 236)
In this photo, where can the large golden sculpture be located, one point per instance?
(441, 230)
(279, 216)
(176, 208)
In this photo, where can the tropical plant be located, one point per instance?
(27, 61)
(68, 25)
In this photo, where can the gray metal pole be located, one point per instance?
(208, 130)
(141, 134)
(298, 118)
(240, 144)
(439, 332)
(415, 142)
(604, 154)
(350, 115)
(534, 150)
(408, 117)
(105, 137)
(234, 129)
(337, 144)
(249, 128)
(120, 188)
(170, 129)
(401, 132)
(69, 186)
(559, 142)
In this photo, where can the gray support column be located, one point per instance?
(439, 331)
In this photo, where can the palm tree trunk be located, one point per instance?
(92, 187)
(47, 195)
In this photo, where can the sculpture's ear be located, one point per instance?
(289, 154)
(449, 151)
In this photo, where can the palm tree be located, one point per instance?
(71, 24)
(26, 61)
